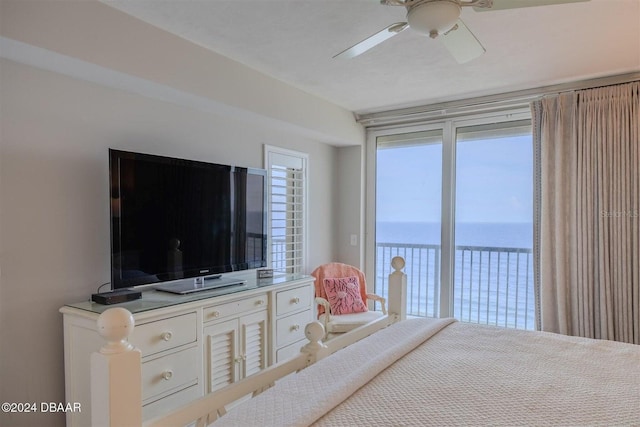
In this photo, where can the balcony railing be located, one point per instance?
(492, 285)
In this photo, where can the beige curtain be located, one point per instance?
(587, 248)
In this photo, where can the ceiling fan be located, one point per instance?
(441, 19)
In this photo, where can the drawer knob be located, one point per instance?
(295, 300)
(166, 375)
(295, 327)
(259, 302)
(215, 314)
(166, 336)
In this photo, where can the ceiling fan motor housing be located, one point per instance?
(433, 17)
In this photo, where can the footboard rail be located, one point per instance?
(116, 391)
(207, 409)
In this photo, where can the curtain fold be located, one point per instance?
(587, 235)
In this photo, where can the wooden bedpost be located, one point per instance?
(116, 373)
(398, 289)
(315, 348)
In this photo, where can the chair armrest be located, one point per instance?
(381, 300)
(323, 302)
(327, 312)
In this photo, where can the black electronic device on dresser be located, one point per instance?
(116, 297)
(175, 219)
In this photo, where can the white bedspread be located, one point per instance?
(458, 374)
(300, 399)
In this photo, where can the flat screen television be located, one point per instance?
(175, 219)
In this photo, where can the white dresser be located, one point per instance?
(194, 344)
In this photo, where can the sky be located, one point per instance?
(494, 181)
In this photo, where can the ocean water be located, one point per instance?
(493, 272)
(507, 235)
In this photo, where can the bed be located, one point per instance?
(441, 372)
(420, 372)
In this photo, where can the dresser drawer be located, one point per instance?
(293, 299)
(291, 328)
(236, 307)
(292, 350)
(165, 334)
(173, 400)
(171, 372)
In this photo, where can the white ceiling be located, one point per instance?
(294, 41)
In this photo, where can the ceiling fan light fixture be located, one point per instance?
(434, 17)
(440, 18)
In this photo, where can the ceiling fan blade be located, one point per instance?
(372, 41)
(513, 4)
(462, 44)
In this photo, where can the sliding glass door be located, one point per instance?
(408, 214)
(493, 281)
(455, 201)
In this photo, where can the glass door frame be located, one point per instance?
(449, 127)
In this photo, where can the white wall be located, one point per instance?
(78, 78)
(349, 208)
(54, 225)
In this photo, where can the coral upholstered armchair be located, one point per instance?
(341, 295)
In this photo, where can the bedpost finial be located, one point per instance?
(116, 325)
(314, 349)
(397, 262)
(314, 331)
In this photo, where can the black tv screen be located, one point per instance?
(175, 219)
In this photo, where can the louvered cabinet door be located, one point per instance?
(221, 354)
(253, 342)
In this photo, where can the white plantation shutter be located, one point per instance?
(287, 171)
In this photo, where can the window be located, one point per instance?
(287, 198)
(493, 277)
(455, 199)
(414, 231)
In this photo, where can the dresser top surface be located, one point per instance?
(153, 299)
